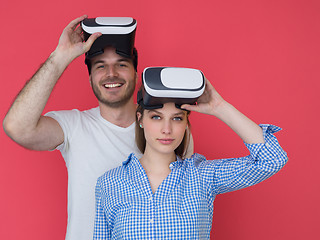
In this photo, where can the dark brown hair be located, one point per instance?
(141, 140)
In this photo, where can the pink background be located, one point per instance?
(262, 56)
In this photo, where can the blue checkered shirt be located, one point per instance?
(182, 206)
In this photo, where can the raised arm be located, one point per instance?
(213, 104)
(266, 155)
(24, 122)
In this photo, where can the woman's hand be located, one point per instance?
(210, 102)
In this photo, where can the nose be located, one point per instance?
(111, 71)
(166, 127)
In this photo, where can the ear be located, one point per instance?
(139, 116)
(90, 80)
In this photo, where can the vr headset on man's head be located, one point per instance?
(170, 84)
(117, 32)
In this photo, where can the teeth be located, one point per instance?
(112, 85)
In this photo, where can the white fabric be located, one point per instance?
(91, 147)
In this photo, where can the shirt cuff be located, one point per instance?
(271, 144)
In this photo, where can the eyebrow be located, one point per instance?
(124, 60)
(97, 62)
(175, 114)
(119, 60)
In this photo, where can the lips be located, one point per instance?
(165, 141)
(112, 83)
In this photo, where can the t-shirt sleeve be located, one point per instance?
(68, 121)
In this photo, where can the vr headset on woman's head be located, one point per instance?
(170, 84)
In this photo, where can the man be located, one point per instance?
(91, 141)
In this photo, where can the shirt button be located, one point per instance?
(267, 145)
(151, 221)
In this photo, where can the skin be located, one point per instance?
(24, 122)
(113, 80)
(158, 155)
(164, 129)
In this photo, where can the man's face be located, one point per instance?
(113, 78)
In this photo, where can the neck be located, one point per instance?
(156, 166)
(122, 116)
(156, 162)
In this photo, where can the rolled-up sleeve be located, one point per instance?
(265, 159)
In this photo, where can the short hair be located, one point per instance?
(140, 139)
(134, 59)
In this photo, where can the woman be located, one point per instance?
(163, 196)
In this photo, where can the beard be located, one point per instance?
(119, 102)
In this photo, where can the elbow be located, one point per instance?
(8, 127)
(16, 133)
(284, 159)
(273, 164)
(279, 162)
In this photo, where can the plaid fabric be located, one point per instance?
(182, 206)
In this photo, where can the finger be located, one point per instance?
(78, 30)
(74, 23)
(190, 107)
(91, 40)
(208, 84)
(82, 36)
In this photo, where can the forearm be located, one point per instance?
(212, 103)
(23, 122)
(246, 129)
(25, 112)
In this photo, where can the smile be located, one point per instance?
(113, 85)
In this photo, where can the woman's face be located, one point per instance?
(164, 128)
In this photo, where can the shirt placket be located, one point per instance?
(151, 220)
(141, 182)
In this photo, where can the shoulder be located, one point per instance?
(74, 113)
(199, 165)
(114, 173)
(119, 174)
(112, 178)
(195, 161)
(73, 117)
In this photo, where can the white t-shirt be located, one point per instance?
(91, 146)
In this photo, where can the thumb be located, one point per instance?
(91, 40)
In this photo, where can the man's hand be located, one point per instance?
(71, 43)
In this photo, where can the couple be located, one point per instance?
(155, 194)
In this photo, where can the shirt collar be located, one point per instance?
(133, 158)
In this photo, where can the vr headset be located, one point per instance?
(170, 84)
(118, 32)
